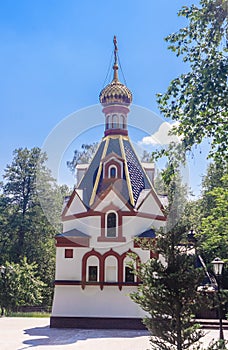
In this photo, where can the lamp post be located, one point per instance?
(218, 266)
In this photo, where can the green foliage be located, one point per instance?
(211, 180)
(29, 314)
(146, 156)
(218, 345)
(82, 156)
(168, 289)
(214, 227)
(168, 293)
(20, 285)
(26, 205)
(159, 184)
(199, 99)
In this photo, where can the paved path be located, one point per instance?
(27, 333)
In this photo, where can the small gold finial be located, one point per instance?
(115, 66)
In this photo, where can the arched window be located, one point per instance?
(92, 269)
(108, 122)
(111, 267)
(111, 225)
(122, 124)
(129, 275)
(115, 121)
(112, 171)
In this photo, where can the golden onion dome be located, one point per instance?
(115, 92)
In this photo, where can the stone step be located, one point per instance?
(212, 323)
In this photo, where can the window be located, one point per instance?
(122, 125)
(115, 122)
(113, 172)
(92, 273)
(111, 225)
(129, 276)
(108, 122)
(69, 253)
(111, 268)
(110, 274)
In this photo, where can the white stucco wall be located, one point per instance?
(135, 225)
(71, 268)
(150, 206)
(88, 225)
(92, 302)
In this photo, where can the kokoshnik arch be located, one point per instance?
(112, 204)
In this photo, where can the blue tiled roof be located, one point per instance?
(137, 175)
(136, 172)
(114, 146)
(147, 234)
(72, 233)
(88, 180)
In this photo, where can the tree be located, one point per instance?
(84, 155)
(168, 289)
(211, 180)
(168, 294)
(19, 285)
(30, 197)
(146, 157)
(214, 227)
(19, 193)
(199, 99)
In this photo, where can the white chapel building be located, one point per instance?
(113, 203)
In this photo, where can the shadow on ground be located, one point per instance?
(53, 336)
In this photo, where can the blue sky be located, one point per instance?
(54, 57)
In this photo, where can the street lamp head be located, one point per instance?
(217, 266)
(191, 237)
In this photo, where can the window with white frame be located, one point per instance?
(111, 264)
(115, 121)
(108, 119)
(122, 124)
(112, 171)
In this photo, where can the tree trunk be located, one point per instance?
(2, 311)
(178, 329)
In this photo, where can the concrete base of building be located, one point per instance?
(96, 323)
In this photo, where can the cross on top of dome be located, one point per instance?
(115, 92)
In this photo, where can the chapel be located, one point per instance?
(113, 206)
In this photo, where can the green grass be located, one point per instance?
(28, 314)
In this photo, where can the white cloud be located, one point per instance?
(161, 137)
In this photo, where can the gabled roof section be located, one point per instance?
(111, 156)
(74, 205)
(150, 203)
(112, 197)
